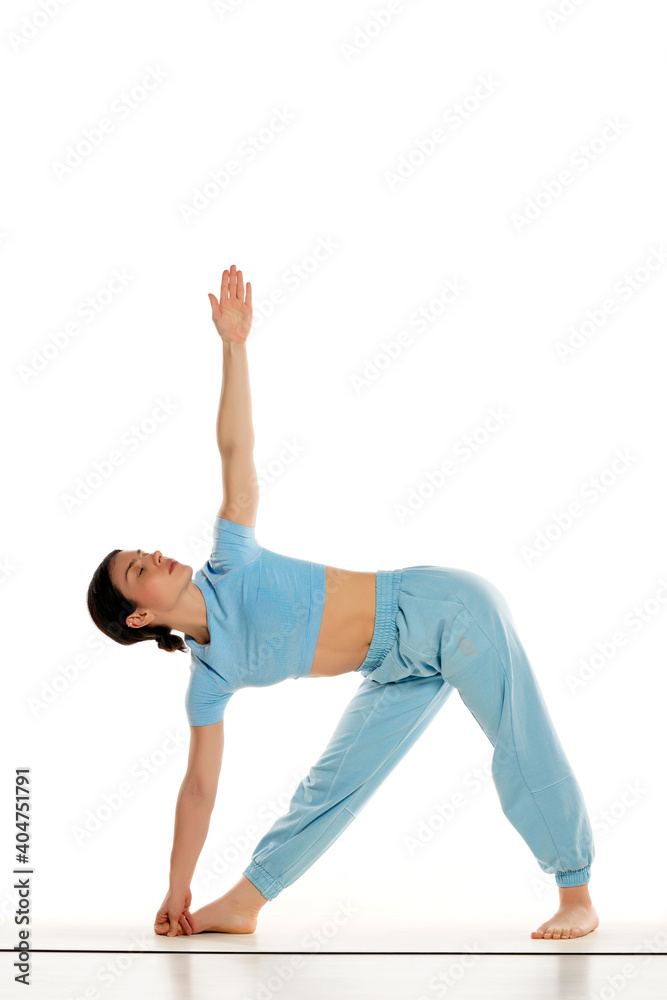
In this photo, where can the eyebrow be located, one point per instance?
(132, 562)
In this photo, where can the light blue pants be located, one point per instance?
(437, 629)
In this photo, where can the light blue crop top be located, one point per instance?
(264, 612)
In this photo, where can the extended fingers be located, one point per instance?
(232, 284)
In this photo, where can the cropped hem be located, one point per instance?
(267, 884)
(579, 877)
(224, 524)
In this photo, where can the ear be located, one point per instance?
(139, 618)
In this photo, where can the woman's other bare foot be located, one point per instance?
(234, 913)
(575, 917)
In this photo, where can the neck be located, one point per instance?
(190, 615)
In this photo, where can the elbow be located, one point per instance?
(237, 447)
(199, 791)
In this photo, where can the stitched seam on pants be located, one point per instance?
(566, 778)
(432, 652)
(352, 795)
(516, 756)
(304, 819)
(419, 652)
(274, 881)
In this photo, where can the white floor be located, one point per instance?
(183, 976)
(330, 944)
(299, 960)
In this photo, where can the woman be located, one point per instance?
(251, 616)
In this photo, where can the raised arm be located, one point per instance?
(232, 316)
(234, 428)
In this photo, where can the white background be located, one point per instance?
(87, 715)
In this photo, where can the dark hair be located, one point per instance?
(109, 608)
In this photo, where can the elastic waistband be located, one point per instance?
(385, 629)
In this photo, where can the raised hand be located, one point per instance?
(232, 315)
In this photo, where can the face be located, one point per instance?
(145, 578)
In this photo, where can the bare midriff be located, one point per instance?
(347, 623)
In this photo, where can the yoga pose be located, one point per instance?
(251, 616)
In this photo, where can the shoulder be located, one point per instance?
(225, 515)
(207, 694)
(234, 544)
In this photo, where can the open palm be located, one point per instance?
(232, 315)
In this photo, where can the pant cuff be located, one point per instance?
(579, 877)
(267, 884)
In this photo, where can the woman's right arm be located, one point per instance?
(193, 816)
(196, 799)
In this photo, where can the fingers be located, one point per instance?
(225, 286)
(173, 926)
(231, 282)
(232, 285)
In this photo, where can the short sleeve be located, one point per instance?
(233, 545)
(206, 697)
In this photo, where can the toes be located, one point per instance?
(556, 933)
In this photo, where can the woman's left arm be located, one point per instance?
(234, 426)
(232, 317)
(240, 490)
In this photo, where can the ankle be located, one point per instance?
(574, 894)
(246, 897)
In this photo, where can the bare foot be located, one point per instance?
(568, 922)
(575, 917)
(224, 916)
